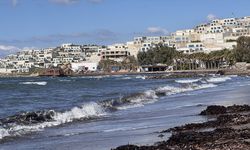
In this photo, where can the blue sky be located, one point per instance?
(45, 23)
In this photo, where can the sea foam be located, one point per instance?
(218, 79)
(34, 83)
(187, 80)
(171, 90)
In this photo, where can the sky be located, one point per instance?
(49, 23)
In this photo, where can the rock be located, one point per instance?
(214, 110)
(222, 134)
(128, 147)
(161, 136)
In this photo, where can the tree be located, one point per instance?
(158, 55)
(242, 51)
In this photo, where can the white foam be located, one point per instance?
(147, 97)
(86, 111)
(233, 76)
(3, 133)
(35, 83)
(218, 79)
(140, 77)
(187, 80)
(150, 94)
(171, 90)
(64, 80)
(95, 77)
(127, 78)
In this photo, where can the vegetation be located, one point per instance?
(231, 40)
(181, 61)
(129, 63)
(242, 51)
(169, 56)
(197, 41)
(158, 55)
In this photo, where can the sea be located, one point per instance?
(103, 112)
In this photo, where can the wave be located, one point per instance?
(65, 80)
(126, 78)
(95, 77)
(141, 77)
(131, 101)
(36, 121)
(133, 77)
(34, 83)
(170, 90)
(187, 80)
(218, 79)
(28, 122)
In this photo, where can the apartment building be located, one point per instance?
(116, 52)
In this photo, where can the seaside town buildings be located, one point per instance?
(216, 35)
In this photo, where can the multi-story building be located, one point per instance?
(116, 52)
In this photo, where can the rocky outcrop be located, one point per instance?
(216, 110)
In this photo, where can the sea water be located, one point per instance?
(103, 112)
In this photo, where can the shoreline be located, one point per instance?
(226, 128)
(154, 75)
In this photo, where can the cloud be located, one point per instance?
(156, 30)
(211, 17)
(14, 2)
(95, 1)
(64, 1)
(99, 36)
(6, 50)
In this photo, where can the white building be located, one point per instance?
(84, 66)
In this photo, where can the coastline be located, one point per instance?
(226, 128)
(150, 75)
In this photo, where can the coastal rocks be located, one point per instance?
(174, 75)
(221, 138)
(29, 118)
(134, 147)
(216, 110)
(220, 121)
(229, 130)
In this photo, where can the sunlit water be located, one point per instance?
(107, 111)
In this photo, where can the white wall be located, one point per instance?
(90, 66)
(3, 70)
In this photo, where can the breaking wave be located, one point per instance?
(187, 80)
(127, 78)
(34, 83)
(95, 77)
(141, 77)
(133, 77)
(170, 90)
(218, 79)
(36, 121)
(131, 101)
